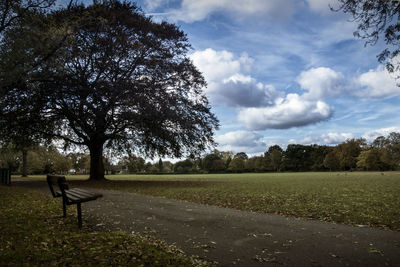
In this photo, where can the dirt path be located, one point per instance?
(232, 237)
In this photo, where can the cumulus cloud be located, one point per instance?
(261, 106)
(195, 10)
(296, 110)
(338, 138)
(245, 92)
(378, 83)
(326, 139)
(371, 135)
(220, 65)
(238, 141)
(228, 82)
(321, 82)
(291, 111)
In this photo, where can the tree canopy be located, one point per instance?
(119, 81)
(12, 11)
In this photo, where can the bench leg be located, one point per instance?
(78, 208)
(64, 209)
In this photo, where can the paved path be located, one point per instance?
(232, 237)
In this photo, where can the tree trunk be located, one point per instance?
(96, 162)
(24, 162)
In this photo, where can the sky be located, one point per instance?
(284, 72)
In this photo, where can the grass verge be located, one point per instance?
(358, 198)
(32, 233)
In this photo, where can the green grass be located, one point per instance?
(357, 198)
(33, 234)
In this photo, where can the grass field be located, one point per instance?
(33, 234)
(357, 198)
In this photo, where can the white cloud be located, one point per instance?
(288, 112)
(378, 83)
(326, 139)
(228, 83)
(296, 110)
(262, 106)
(336, 138)
(219, 65)
(195, 10)
(239, 141)
(243, 91)
(321, 82)
(371, 135)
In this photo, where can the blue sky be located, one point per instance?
(283, 72)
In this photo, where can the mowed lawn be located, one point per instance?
(357, 198)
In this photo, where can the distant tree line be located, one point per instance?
(383, 154)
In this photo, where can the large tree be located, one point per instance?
(122, 81)
(377, 19)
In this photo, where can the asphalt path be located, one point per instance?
(237, 238)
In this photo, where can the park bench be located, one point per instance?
(75, 196)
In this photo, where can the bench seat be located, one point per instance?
(79, 195)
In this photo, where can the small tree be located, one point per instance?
(15, 130)
(241, 155)
(133, 163)
(276, 159)
(331, 161)
(168, 167)
(258, 164)
(160, 166)
(10, 158)
(213, 162)
(184, 166)
(347, 153)
(62, 164)
(237, 165)
(371, 160)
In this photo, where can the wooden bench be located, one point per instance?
(73, 196)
